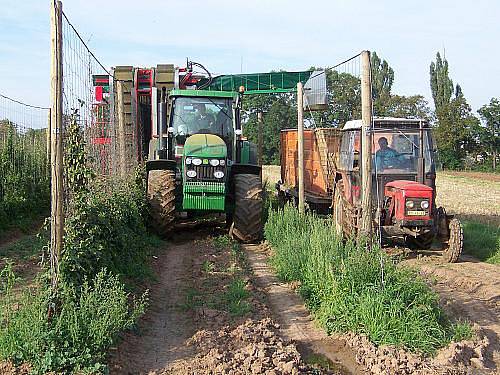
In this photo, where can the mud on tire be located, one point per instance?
(161, 199)
(453, 248)
(247, 217)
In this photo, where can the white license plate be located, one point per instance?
(416, 213)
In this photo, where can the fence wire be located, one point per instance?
(24, 173)
(86, 100)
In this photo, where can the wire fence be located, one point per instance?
(24, 172)
(87, 99)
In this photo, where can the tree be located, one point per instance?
(490, 133)
(382, 79)
(441, 83)
(456, 128)
(414, 106)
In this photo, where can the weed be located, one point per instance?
(192, 299)
(78, 336)
(351, 289)
(222, 242)
(462, 331)
(208, 267)
(235, 298)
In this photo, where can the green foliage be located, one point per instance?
(77, 338)
(489, 135)
(414, 106)
(382, 76)
(482, 241)
(456, 130)
(235, 298)
(351, 289)
(24, 177)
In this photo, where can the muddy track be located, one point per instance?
(469, 290)
(189, 329)
(163, 330)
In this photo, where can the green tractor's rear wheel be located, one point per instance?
(247, 217)
(161, 199)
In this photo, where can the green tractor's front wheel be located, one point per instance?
(161, 199)
(247, 218)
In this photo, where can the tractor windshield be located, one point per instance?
(396, 151)
(195, 115)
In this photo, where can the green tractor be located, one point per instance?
(201, 163)
(190, 134)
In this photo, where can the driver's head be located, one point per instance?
(200, 107)
(382, 142)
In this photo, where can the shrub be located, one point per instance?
(351, 289)
(78, 336)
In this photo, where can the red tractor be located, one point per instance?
(403, 187)
(403, 182)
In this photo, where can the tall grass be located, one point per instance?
(351, 289)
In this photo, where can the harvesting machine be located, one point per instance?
(403, 182)
(190, 135)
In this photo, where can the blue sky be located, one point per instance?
(265, 35)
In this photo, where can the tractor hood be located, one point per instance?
(205, 145)
(407, 186)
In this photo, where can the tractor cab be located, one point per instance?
(402, 149)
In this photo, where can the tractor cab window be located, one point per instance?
(198, 115)
(397, 151)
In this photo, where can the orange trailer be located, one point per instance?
(321, 150)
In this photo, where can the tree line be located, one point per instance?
(465, 140)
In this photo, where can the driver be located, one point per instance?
(386, 157)
(202, 120)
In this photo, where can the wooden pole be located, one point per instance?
(56, 152)
(47, 135)
(121, 128)
(366, 146)
(260, 137)
(300, 148)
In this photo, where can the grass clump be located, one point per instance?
(236, 296)
(351, 289)
(482, 241)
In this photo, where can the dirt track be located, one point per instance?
(469, 290)
(189, 328)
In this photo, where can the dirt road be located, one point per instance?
(208, 316)
(469, 290)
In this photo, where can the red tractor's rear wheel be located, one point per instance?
(454, 246)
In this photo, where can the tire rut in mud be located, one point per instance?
(194, 326)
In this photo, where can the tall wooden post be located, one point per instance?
(366, 146)
(259, 137)
(56, 149)
(121, 128)
(48, 135)
(300, 148)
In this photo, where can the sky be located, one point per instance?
(230, 36)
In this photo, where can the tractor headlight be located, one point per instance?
(188, 161)
(218, 174)
(191, 173)
(197, 161)
(424, 205)
(222, 162)
(214, 162)
(410, 204)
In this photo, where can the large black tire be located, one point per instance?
(161, 199)
(247, 218)
(454, 246)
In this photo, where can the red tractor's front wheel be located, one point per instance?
(454, 246)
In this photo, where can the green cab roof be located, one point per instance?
(204, 93)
